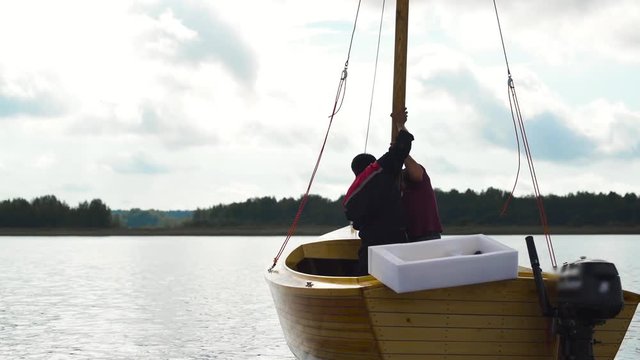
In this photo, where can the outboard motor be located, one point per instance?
(589, 292)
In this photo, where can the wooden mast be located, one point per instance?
(400, 61)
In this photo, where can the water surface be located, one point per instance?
(184, 297)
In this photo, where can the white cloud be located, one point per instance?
(613, 126)
(44, 162)
(137, 164)
(180, 104)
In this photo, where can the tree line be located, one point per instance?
(270, 212)
(468, 208)
(138, 218)
(49, 212)
(575, 209)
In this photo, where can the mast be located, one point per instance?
(400, 61)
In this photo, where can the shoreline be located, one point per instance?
(311, 231)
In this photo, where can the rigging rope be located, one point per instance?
(519, 124)
(337, 104)
(375, 73)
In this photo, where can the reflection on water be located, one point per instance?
(137, 298)
(183, 297)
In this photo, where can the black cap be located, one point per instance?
(360, 162)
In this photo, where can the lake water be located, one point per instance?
(185, 297)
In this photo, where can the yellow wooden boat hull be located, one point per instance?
(339, 317)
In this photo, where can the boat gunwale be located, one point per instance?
(367, 281)
(360, 281)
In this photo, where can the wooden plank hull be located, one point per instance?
(359, 318)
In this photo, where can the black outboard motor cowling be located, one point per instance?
(589, 292)
(589, 289)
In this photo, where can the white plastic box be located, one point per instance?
(442, 263)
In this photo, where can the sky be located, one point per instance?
(187, 104)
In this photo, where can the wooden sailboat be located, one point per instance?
(326, 314)
(339, 317)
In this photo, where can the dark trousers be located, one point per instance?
(362, 267)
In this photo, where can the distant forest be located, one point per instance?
(138, 218)
(49, 212)
(456, 208)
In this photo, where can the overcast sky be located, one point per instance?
(184, 104)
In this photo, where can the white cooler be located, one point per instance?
(448, 262)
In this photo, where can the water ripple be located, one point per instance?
(175, 297)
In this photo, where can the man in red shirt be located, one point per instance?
(419, 202)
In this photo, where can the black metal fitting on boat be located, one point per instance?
(543, 299)
(589, 292)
